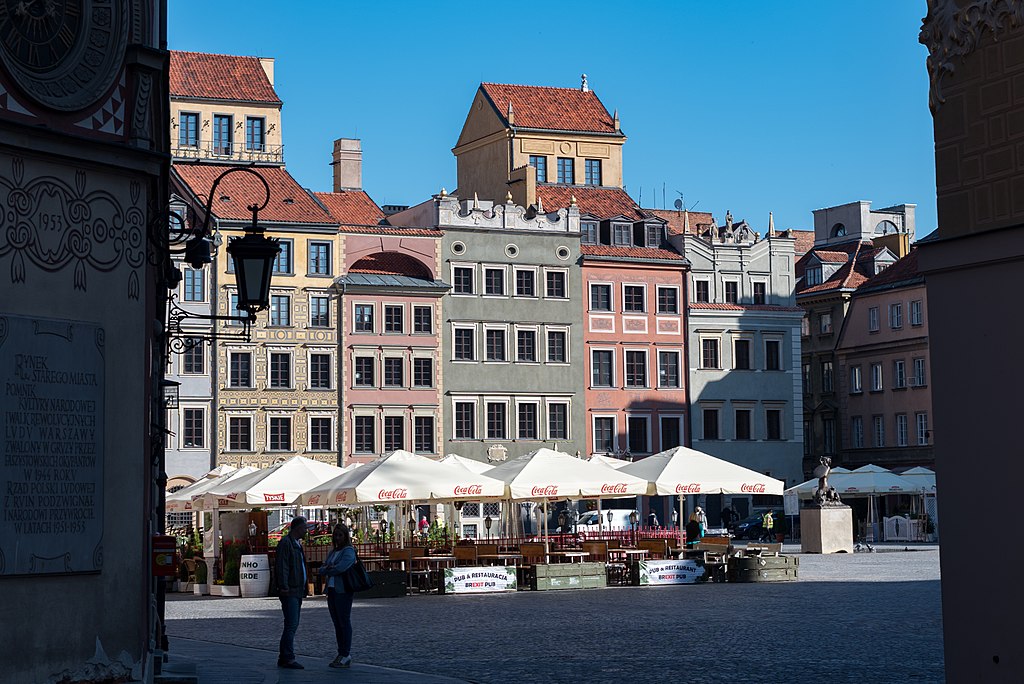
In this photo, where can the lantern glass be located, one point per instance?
(253, 257)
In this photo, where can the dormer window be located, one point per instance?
(655, 235)
(813, 275)
(622, 234)
(838, 230)
(588, 233)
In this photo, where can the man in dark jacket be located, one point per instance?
(290, 570)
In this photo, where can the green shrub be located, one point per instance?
(201, 572)
(233, 551)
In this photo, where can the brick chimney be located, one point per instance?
(348, 164)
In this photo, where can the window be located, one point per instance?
(465, 420)
(655, 236)
(636, 369)
(873, 319)
(710, 417)
(526, 283)
(364, 318)
(592, 171)
(742, 424)
(541, 164)
(464, 344)
(899, 374)
(240, 433)
(601, 374)
(423, 372)
(825, 323)
(240, 370)
(633, 298)
(920, 380)
(280, 371)
(637, 440)
(280, 310)
(813, 276)
(671, 434)
(463, 280)
(283, 260)
(741, 354)
(320, 434)
(194, 285)
(709, 353)
(772, 355)
(922, 428)
(805, 378)
(526, 345)
(622, 234)
(604, 434)
(193, 361)
(393, 371)
(494, 342)
(364, 435)
(876, 377)
(828, 428)
(557, 352)
(494, 281)
(193, 428)
(188, 130)
(279, 434)
(857, 432)
(588, 233)
(668, 300)
(600, 297)
(394, 433)
(320, 371)
(732, 292)
(760, 292)
(879, 430)
(255, 134)
(496, 420)
(555, 284)
(319, 312)
(916, 312)
(805, 326)
(319, 258)
(364, 371)
(902, 438)
(393, 315)
(896, 315)
(826, 376)
(222, 135)
(702, 291)
(668, 369)
(527, 421)
(558, 421)
(773, 425)
(856, 384)
(235, 311)
(423, 434)
(565, 170)
(422, 320)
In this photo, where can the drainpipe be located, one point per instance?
(688, 441)
(341, 378)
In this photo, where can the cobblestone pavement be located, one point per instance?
(851, 618)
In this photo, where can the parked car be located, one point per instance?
(588, 522)
(753, 527)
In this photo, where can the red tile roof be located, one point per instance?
(600, 202)
(630, 252)
(391, 263)
(903, 272)
(675, 219)
(852, 274)
(832, 257)
(351, 206)
(804, 242)
(742, 307)
(289, 202)
(391, 230)
(220, 77)
(560, 109)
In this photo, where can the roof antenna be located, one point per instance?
(583, 86)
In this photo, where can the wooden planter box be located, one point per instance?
(569, 576)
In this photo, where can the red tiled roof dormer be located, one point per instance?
(600, 202)
(902, 272)
(289, 202)
(220, 77)
(857, 266)
(351, 206)
(559, 109)
(676, 220)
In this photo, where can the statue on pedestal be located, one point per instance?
(825, 496)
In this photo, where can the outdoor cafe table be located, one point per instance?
(436, 561)
(514, 558)
(630, 554)
(374, 562)
(570, 556)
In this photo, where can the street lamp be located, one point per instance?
(633, 520)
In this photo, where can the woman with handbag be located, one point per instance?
(339, 596)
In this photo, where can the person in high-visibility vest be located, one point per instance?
(768, 522)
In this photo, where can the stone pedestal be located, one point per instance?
(826, 530)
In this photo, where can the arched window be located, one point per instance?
(838, 230)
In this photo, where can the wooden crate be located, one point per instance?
(763, 569)
(569, 576)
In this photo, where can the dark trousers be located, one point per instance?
(339, 603)
(768, 535)
(290, 605)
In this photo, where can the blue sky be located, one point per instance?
(783, 106)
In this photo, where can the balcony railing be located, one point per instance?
(239, 151)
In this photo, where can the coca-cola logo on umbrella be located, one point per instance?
(390, 494)
(341, 497)
(314, 500)
(756, 488)
(617, 488)
(468, 490)
(691, 488)
(549, 490)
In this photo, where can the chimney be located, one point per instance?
(348, 164)
(268, 66)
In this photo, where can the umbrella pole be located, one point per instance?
(680, 530)
(600, 518)
(547, 550)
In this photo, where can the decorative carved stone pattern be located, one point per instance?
(109, 118)
(55, 225)
(951, 33)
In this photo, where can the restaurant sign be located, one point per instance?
(656, 572)
(479, 580)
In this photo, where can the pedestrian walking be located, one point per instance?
(339, 598)
(729, 516)
(652, 519)
(290, 570)
(768, 523)
(693, 530)
(702, 518)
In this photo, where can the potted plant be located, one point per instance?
(233, 551)
(201, 587)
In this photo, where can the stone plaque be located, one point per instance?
(51, 461)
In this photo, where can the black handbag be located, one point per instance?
(356, 578)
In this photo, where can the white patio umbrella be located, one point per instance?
(181, 500)
(920, 479)
(278, 485)
(471, 483)
(610, 462)
(471, 464)
(680, 471)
